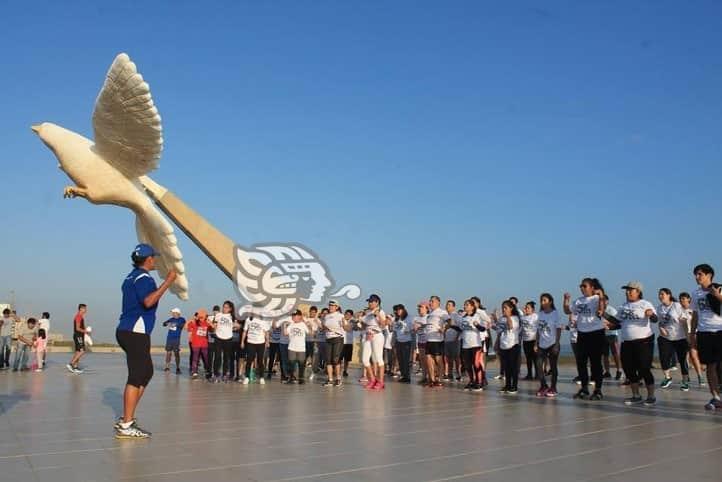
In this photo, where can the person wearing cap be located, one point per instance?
(334, 325)
(633, 319)
(137, 320)
(373, 322)
(297, 331)
(175, 326)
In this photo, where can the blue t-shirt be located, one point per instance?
(135, 316)
(175, 328)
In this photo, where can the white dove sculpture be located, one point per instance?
(128, 144)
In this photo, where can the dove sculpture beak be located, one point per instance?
(36, 128)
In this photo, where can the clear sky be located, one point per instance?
(455, 148)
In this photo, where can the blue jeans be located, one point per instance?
(283, 350)
(5, 351)
(22, 352)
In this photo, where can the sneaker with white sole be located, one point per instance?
(666, 383)
(70, 368)
(246, 381)
(261, 381)
(132, 431)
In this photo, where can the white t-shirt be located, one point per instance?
(420, 322)
(316, 325)
(44, 324)
(486, 321)
(333, 322)
(371, 321)
(529, 327)
(707, 320)
(686, 318)
(547, 326)
(297, 333)
(669, 319)
(611, 311)
(470, 334)
(434, 324)
(635, 325)
(256, 331)
(278, 325)
(7, 328)
(224, 326)
(585, 308)
(450, 334)
(402, 329)
(573, 333)
(508, 332)
(388, 339)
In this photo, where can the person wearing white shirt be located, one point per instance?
(672, 338)
(706, 329)
(612, 347)
(255, 339)
(472, 328)
(334, 325)
(485, 337)
(529, 321)
(452, 350)
(685, 301)
(420, 331)
(546, 344)
(591, 340)
(508, 327)
(373, 322)
(297, 331)
(348, 339)
(435, 323)
(223, 327)
(403, 326)
(633, 319)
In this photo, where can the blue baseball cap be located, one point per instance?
(143, 251)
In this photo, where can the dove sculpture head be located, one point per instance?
(111, 168)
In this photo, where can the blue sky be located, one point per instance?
(455, 148)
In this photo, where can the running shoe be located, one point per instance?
(618, 376)
(337, 383)
(633, 401)
(246, 381)
(673, 369)
(467, 387)
(194, 376)
(701, 382)
(446, 378)
(371, 384)
(512, 391)
(666, 383)
(596, 395)
(38, 370)
(607, 376)
(684, 386)
(166, 369)
(582, 394)
(133, 431)
(119, 420)
(713, 404)
(327, 383)
(542, 392)
(345, 374)
(261, 381)
(650, 402)
(438, 384)
(499, 377)
(69, 367)
(502, 391)
(77, 370)
(458, 379)
(379, 386)
(311, 377)
(551, 393)
(477, 388)
(178, 371)
(577, 380)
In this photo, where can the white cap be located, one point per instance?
(175, 310)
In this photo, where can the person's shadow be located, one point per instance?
(113, 398)
(7, 402)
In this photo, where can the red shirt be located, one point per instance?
(198, 331)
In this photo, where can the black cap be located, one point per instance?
(297, 313)
(373, 298)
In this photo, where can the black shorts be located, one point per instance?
(709, 346)
(172, 345)
(435, 348)
(137, 353)
(79, 341)
(334, 347)
(347, 352)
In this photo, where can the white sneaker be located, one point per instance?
(38, 370)
(310, 378)
(262, 381)
(246, 381)
(70, 368)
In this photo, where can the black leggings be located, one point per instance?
(137, 354)
(511, 359)
(274, 353)
(551, 354)
(590, 347)
(255, 350)
(472, 362)
(637, 360)
(530, 357)
(224, 354)
(403, 355)
(667, 350)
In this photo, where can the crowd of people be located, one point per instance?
(451, 343)
(440, 345)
